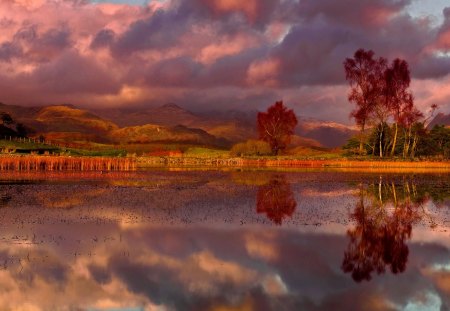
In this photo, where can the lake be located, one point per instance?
(224, 240)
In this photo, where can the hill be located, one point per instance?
(165, 124)
(70, 124)
(167, 115)
(150, 133)
(69, 119)
(440, 119)
(234, 126)
(329, 134)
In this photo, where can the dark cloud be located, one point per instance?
(55, 38)
(431, 67)
(9, 51)
(176, 72)
(211, 46)
(72, 73)
(322, 34)
(362, 13)
(161, 31)
(103, 38)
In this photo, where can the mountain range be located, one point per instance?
(168, 123)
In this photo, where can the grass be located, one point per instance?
(206, 152)
(186, 155)
(89, 150)
(23, 145)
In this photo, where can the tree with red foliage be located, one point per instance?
(363, 72)
(276, 126)
(276, 200)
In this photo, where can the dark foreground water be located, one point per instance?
(160, 240)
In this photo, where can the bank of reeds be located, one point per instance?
(65, 163)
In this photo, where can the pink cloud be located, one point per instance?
(249, 7)
(192, 51)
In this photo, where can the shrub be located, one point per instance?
(251, 148)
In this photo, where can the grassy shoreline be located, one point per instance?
(288, 162)
(16, 162)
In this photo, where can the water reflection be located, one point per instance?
(196, 241)
(384, 214)
(276, 199)
(4, 200)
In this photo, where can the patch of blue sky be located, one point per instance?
(428, 8)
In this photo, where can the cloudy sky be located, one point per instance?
(215, 54)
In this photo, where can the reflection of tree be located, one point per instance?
(384, 217)
(276, 199)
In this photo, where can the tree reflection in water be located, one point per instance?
(384, 216)
(276, 199)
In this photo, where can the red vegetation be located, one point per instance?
(381, 92)
(276, 200)
(276, 126)
(61, 163)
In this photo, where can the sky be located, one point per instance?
(215, 54)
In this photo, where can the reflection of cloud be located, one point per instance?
(201, 275)
(261, 246)
(274, 285)
(440, 276)
(168, 256)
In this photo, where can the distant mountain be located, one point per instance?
(68, 119)
(168, 115)
(164, 124)
(241, 125)
(150, 133)
(25, 115)
(329, 134)
(68, 123)
(234, 126)
(440, 119)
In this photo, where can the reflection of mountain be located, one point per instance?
(384, 216)
(276, 200)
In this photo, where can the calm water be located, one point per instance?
(160, 240)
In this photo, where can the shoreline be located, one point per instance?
(143, 162)
(84, 163)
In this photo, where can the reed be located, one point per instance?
(65, 163)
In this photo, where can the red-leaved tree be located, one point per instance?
(276, 126)
(364, 73)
